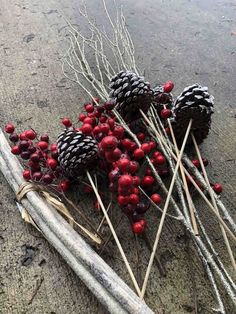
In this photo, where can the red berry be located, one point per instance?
(30, 134)
(156, 198)
(196, 163)
(103, 119)
(111, 123)
(135, 191)
(24, 145)
(9, 128)
(118, 131)
(51, 163)
(133, 167)
(67, 122)
(217, 188)
(14, 137)
(109, 143)
(44, 138)
(34, 165)
(123, 191)
(205, 162)
(100, 109)
(82, 116)
(146, 148)
(96, 130)
(138, 227)
(97, 114)
(47, 178)
(23, 136)
(148, 172)
(89, 108)
(141, 136)
(156, 154)
(64, 185)
(139, 153)
(160, 160)
(109, 105)
(35, 157)
(152, 144)
(112, 156)
(167, 130)
(54, 154)
(133, 199)
(141, 208)
(123, 164)
(37, 176)
(97, 205)
(165, 113)
(123, 200)
(129, 209)
(104, 128)
(53, 147)
(86, 128)
(133, 146)
(143, 222)
(26, 174)
(25, 155)
(136, 180)
(168, 86)
(126, 143)
(42, 145)
(148, 180)
(125, 181)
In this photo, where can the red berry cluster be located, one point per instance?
(40, 158)
(121, 159)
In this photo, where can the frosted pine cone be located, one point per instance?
(193, 103)
(130, 93)
(76, 152)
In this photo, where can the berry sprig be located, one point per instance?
(39, 158)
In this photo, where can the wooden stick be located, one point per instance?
(217, 215)
(164, 212)
(188, 196)
(115, 236)
(214, 202)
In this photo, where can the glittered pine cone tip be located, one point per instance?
(76, 152)
(193, 103)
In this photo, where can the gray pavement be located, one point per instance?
(186, 41)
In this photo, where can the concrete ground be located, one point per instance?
(186, 41)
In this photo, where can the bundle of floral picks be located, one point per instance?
(128, 150)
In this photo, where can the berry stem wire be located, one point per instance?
(134, 281)
(158, 234)
(227, 244)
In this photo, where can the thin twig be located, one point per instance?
(164, 211)
(115, 236)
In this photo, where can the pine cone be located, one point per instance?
(130, 93)
(76, 152)
(193, 103)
